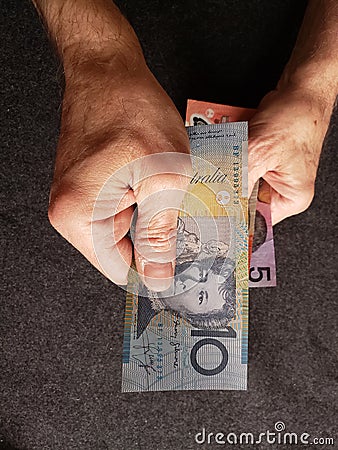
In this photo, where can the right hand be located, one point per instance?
(112, 117)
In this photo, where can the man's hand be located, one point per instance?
(109, 122)
(122, 144)
(285, 140)
(287, 132)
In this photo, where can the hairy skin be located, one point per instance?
(114, 113)
(287, 132)
(115, 116)
(107, 125)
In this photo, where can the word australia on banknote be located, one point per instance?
(262, 271)
(195, 334)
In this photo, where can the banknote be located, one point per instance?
(194, 335)
(262, 271)
(203, 113)
(262, 268)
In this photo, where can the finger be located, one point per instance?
(110, 253)
(257, 166)
(97, 226)
(113, 250)
(287, 196)
(156, 229)
(114, 262)
(280, 207)
(283, 207)
(264, 191)
(159, 184)
(110, 222)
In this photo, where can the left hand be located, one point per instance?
(285, 141)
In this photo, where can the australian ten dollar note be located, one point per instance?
(195, 334)
(262, 267)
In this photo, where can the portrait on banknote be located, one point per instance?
(204, 289)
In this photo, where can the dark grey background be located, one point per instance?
(61, 322)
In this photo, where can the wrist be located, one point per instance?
(88, 33)
(85, 61)
(316, 82)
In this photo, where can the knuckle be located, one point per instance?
(307, 201)
(162, 235)
(259, 154)
(157, 242)
(161, 239)
(56, 215)
(64, 212)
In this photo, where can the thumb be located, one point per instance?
(159, 200)
(256, 171)
(258, 157)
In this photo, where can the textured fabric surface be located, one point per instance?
(61, 322)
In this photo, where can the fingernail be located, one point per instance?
(158, 276)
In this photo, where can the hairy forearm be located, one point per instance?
(90, 30)
(314, 64)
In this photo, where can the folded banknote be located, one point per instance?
(194, 335)
(262, 272)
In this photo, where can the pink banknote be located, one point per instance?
(262, 267)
